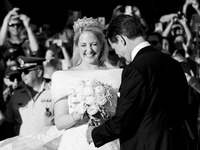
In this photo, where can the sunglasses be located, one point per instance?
(26, 71)
(15, 24)
(15, 77)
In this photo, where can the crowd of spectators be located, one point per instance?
(175, 34)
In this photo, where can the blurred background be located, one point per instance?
(56, 12)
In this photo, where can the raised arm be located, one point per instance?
(187, 30)
(4, 27)
(195, 5)
(167, 30)
(137, 12)
(185, 6)
(33, 43)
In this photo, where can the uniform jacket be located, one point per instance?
(27, 113)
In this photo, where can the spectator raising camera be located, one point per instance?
(17, 37)
(177, 31)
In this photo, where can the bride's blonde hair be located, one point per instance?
(94, 26)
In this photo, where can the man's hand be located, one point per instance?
(89, 134)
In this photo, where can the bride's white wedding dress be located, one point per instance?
(74, 138)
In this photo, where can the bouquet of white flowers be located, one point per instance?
(93, 98)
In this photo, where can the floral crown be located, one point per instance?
(87, 22)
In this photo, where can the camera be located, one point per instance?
(180, 15)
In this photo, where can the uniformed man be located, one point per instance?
(12, 81)
(30, 108)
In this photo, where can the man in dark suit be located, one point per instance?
(151, 109)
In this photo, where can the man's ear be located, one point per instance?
(121, 39)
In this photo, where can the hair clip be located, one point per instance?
(87, 22)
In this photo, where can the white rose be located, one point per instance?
(88, 83)
(81, 108)
(99, 90)
(80, 97)
(90, 100)
(88, 91)
(101, 101)
(92, 110)
(78, 89)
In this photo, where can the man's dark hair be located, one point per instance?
(126, 25)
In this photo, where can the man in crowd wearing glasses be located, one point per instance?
(12, 81)
(30, 108)
(17, 37)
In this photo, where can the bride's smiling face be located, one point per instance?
(89, 47)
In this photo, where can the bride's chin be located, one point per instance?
(89, 56)
(91, 59)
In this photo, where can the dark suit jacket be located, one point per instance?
(150, 112)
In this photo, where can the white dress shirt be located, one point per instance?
(33, 114)
(138, 48)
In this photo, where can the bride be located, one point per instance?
(89, 62)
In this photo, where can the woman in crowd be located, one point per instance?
(17, 37)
